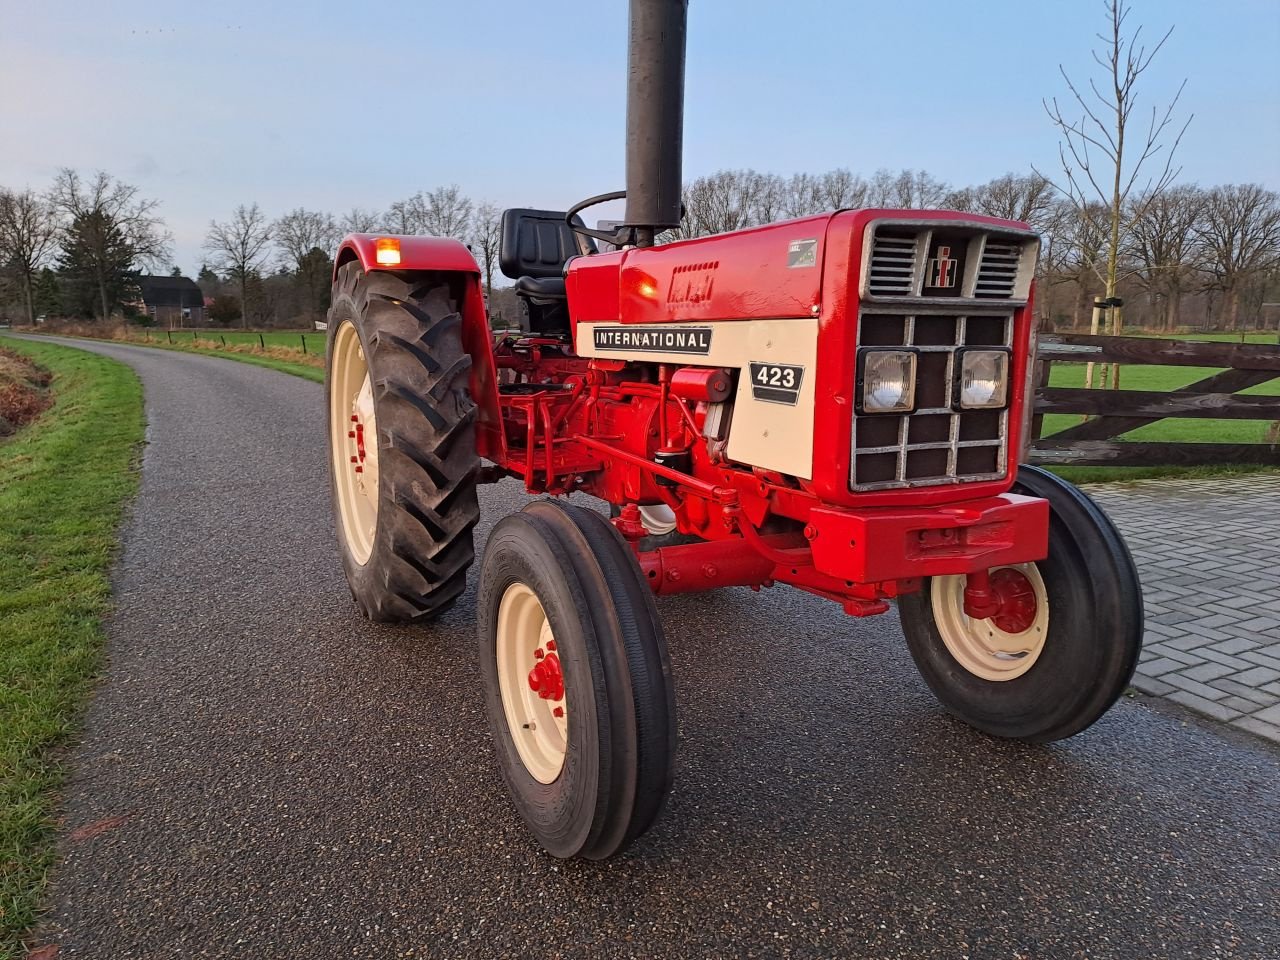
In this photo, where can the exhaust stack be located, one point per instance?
(655, 115)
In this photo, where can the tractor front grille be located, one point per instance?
(935, 444)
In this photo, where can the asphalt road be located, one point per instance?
(264, 774)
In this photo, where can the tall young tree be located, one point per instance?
(486, 238)
(239, 248)
(306, 239)
(113, 229)
(1102, 160)
(28, 236)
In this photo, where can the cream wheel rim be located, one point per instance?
(658, 519)
(981, 646)
(528, 665)
(353, 442)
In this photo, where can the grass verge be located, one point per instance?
(309, 366)
(64, 482)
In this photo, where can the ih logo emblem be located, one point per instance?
(942, 269)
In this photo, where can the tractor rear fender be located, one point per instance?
(449, 261)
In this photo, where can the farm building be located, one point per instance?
(172, 301)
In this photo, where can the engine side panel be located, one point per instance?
(773, 411)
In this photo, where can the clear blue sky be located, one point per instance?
(334, 105)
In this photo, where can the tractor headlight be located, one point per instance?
(982, 381)
(886, 381)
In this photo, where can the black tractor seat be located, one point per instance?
(536, 247)
(540, 288)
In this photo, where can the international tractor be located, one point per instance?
(838, 403)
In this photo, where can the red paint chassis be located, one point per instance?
(563, 423)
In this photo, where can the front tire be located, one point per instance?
(577, 680)
(1067, 643)
(402, 453)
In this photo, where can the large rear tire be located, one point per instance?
(577, 680)
(402, 453)
(1069, 645)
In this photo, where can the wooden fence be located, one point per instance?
(1093, 442)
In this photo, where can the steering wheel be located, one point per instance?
(618, 238)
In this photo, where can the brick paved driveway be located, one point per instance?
(1209, 555)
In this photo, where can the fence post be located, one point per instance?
(304, 344)
(223, 338)
(169, 334)
(262, 344)
(194, 337)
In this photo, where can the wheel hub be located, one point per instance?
(531, 680)
(1015, 599)
(546, 679)
(994, 626)
(363, 437)
(353, 442)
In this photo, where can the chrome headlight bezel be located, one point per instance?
(967, 355)
(874, 355)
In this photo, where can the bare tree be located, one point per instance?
(1029, 198)
(405, 216)
(486, 238)
(306, 239)
(1099, 162)
(28, 235)
(768, 198)
(1239, 234)
(720, 202)
(1077, 247)
(839, 188)
(108, 214)
(359, 220)
(239, 247)
(1164, 249)
(445, 212)
(803, 196)
(906, 189)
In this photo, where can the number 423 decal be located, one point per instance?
(776, 382)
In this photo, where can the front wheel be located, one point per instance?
(577, 680)
(1065, 642)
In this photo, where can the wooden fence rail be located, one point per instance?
(1093, 442)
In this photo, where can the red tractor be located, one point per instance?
(838, 403)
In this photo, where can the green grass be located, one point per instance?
(1174, 430)
(307, 372)
(64, 481)
(1178, 430)
(279, 360)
